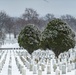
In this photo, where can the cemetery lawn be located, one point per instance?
(10, 66)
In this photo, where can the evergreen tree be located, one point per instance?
(58, 37)
(29, 38)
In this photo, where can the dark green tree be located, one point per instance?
(58, 37)
(29, 38)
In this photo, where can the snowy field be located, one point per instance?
(20, 62)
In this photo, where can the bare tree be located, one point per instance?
(30, 16)
(49, 17)
(18, 25)
(70, 20)
(9, 26)
(3, 19)
(2, 36)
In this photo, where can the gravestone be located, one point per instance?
(31, 67)
(39, 71)
(0, 66)
(42, 67)
(60, 66)
(9, 71)
(69, 67)
(48, 69)
(63, 69)
(57, 72)
(54, 67)
(23, 71)
(75, 65)
(35, 69)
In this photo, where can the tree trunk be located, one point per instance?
(9, 36)
(14, 35)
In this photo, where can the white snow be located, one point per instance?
(15, 70)
(14, 45)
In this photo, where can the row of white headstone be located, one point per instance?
(2, 60)
(63, 67)
(10, 66)
(1, 53)
(40, 66)
(20, 65)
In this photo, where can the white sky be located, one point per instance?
(57, 7)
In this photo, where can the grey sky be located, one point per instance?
(57, 7)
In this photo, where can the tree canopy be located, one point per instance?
(58, 37)
(29, 38)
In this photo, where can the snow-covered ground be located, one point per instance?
(10, 45)
(21, 63)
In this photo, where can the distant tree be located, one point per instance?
(3, 19)
(9, 26)
(49, 17)
(2, 36)
(70, 20)
(58, 37)
(29, 38)
(18, 25)
(31, 16)
(41, 23)
(15, 27)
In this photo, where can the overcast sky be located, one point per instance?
(57, 7)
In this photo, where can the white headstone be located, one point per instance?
(69, 67)
(42, 67)
(0, 67)
(48, 69)
(75, 65)
(60, 66)
(31, 67)
(34, 69)
(54, 67)
(23, 71)
(9, 71)
(63, 69)
(39, 71)
(57, 72)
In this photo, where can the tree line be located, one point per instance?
(14, 25)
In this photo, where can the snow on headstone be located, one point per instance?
(40, 71)
(48, 69)
(63, 69)
(2, 60)
(35, 69)
(75, 65)
(60, 66)
(0, 67)
(23, 71)
(69, 67)
(57, 72)
(9, 71)
(42, 67)
(31, 67)
(53, 62)
(75, 72)
(54, 67)
(9, 68)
